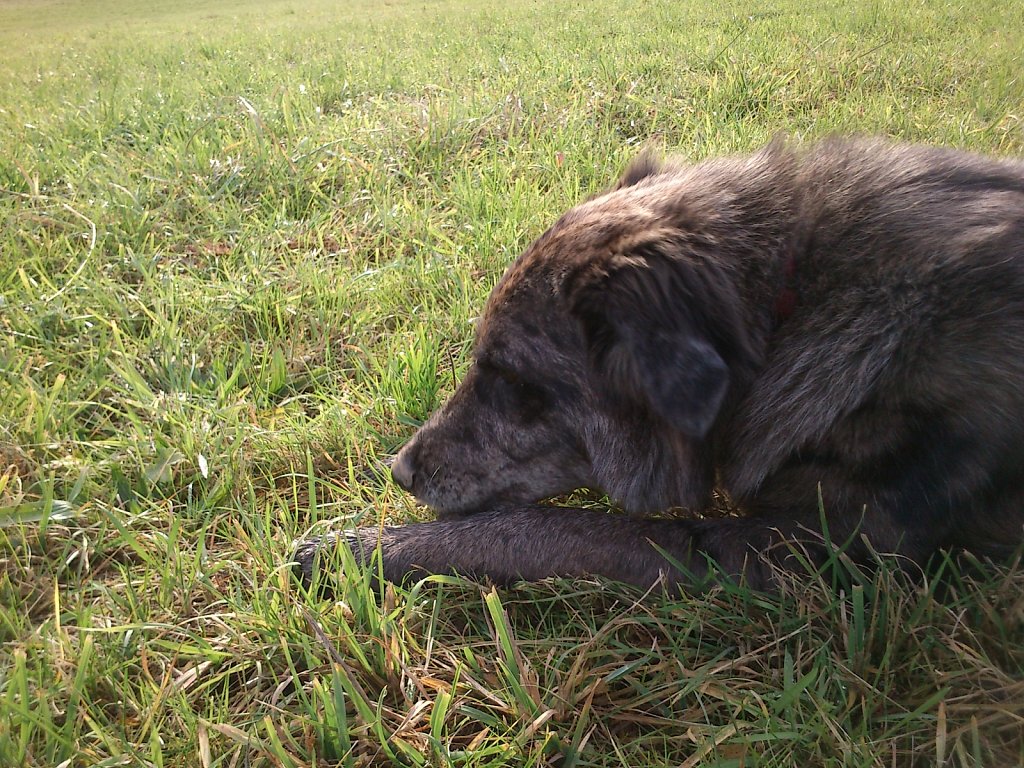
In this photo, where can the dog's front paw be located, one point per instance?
(311, 554)
(305, 555)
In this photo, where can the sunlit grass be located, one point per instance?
(243, 247)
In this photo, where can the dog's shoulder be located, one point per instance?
(910, 272)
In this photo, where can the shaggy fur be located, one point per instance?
(640, 347)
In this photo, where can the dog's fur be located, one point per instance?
(649, 345)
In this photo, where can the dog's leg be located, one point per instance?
(531, 543)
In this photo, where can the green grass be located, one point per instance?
(242, 248)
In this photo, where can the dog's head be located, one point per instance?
(602, 360)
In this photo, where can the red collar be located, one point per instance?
(785, 301)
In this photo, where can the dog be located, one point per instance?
(833, 335)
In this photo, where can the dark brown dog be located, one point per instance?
(833, 336)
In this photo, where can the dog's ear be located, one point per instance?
(655, 335)
(645, 165)
(648, 164)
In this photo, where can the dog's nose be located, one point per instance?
(402, 471)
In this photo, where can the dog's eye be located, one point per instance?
(502, 373)
(506, 388)
(508, 376)
(492, 368)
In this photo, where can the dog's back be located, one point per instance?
(899, 380)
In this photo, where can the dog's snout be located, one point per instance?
(402, 470)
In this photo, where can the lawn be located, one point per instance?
(243, 246)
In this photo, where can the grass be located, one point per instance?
(243, 245)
